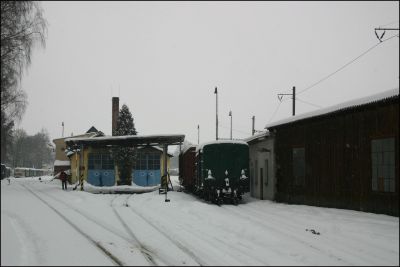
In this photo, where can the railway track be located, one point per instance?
(94, 242)
(182, 247)
(145, 251)
(151, 257)
(148, 255)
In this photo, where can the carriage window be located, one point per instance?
(383, 164)
(299, 166)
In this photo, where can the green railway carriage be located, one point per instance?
(222, 170)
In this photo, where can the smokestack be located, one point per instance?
(115, 113)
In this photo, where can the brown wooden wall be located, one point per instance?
(338, 171)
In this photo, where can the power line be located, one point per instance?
(389, 23)
(301, 100)
(347, 64)
(326, 77)
(248, 133)
(276, 110)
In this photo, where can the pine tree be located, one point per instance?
(124, 157)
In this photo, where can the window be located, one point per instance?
(383, 164)
(153, 161)
(299, 166)
(148, 161)
(107, 162)
(100, 161)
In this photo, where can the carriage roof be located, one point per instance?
(216, 142)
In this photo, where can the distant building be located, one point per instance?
(62, 161)
(90, 158)
(346, 156)
(262, 172)
(94, 162)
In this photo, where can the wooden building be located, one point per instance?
(346, 156)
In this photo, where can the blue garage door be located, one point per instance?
(147, 169)
(101, 170)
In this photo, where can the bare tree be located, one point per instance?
(22, 26)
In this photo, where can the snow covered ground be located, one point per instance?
(43, 225)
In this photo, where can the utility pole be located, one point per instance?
(294, 101)
(198, 134)
(216, 113)
(252, 128)
(62, 134)
(384, 31)
(293, 94)
(230, 114)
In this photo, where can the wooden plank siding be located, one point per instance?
(338, 165)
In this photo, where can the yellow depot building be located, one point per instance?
(91, 158)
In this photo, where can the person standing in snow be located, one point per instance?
(63, 178)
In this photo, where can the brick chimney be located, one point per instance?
(115, 113)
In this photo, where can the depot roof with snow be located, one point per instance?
(128, 140)
(388, 95)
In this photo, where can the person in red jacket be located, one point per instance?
(63, 178)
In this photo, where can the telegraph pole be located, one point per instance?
(384, 31)
(216, 112)
(293, 94)
(294, 101)
(230, 115)
(198, 134)
(252, 128)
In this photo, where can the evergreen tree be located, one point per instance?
(124, 157)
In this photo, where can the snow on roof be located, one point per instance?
(186, 146)
(157, 148)
(342, 106)
(62, 162)
(256, 136)
(127, 137)
(201, 146)
(69, 153)
(91, 134)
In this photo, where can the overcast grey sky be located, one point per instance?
(163, 59)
